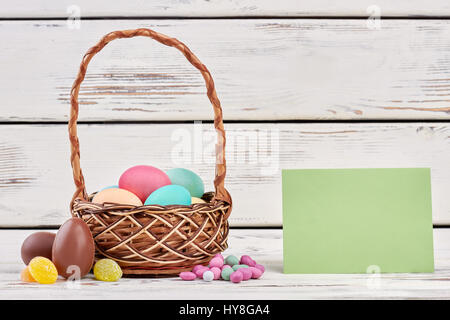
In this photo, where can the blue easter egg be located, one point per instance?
(188, 179)
(110, 187)
(171, 194)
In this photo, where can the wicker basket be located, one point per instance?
(153, 239)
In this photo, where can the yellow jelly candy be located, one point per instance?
(26, 276)
(43, 270)
(107, 270)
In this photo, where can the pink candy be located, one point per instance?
(236, 277)
(247, 260)
(216, 271)
(216, 265)
(188, 276)
(246, 273)
(256, 273)
(260, 267)
(216, 262)
(200, 271)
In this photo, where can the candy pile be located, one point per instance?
(229, 269)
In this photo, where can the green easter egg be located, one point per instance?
(238, 266)
(188, 179)
(231, 260)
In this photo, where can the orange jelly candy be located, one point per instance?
(26, 276)
(43, 270)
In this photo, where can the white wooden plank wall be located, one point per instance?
(281, 67)
(226, 8)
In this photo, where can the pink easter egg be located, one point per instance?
(247, 260)
(236, 277)
(226, 266)
(260, 267)
(188, 276)
(216, 271)
(143, 180)
(256, 273)
(246, 273)
(216, 262)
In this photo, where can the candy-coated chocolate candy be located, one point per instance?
(256, 273)
(260, 267)
(231, 260)
(236, 277)
(246, 273)
(226, 272)
(208, 275)
(188, 276)
(200, 271)
(196, 267)
(43, 270)
(219, 255)
(188, 179)
(26, 276)
(226, 266)
(216, 272)
(107, 270)
(238, 266)
(247, 260)
(216, 262)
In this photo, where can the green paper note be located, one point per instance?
(357, 220)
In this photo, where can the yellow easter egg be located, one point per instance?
(116, 195)
(197, 200)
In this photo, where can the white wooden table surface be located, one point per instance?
(265, 245)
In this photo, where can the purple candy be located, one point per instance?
(246, 273)
(256, 273)
(247, 260)
(216, 272)
(188, 276)
(236, 277)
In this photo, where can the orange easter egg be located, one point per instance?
(116, 195)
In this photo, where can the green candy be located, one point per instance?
(226, 273)
(238, 266)
(231, 260)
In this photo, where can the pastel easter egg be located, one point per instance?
(109, 187)
(236, 277)
(216, 271)
(143, 180)
(197, 200)
(169, 195)
(115, 195)
(188, 276)
(216, 262)
(188, 179)
(256, 273)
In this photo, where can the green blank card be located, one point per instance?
(355, 220)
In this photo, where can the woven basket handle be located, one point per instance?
(80, 193)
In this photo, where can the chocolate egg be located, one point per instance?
(73, 246)
(37, 244)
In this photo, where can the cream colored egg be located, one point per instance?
(197, 200)
(116, 195)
